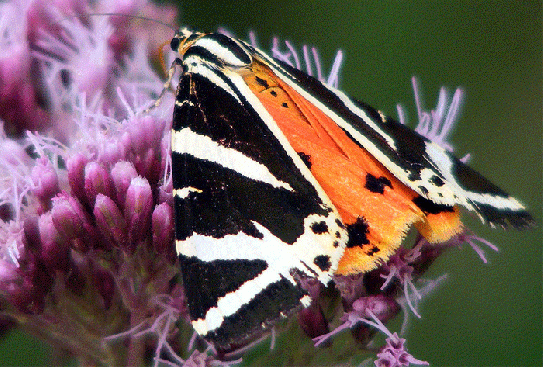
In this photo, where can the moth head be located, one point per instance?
(183, 39)
(212, 48)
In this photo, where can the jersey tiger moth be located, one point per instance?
(277, 176)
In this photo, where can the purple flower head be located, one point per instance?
(473, 241)
(439, 123)
(394, 354)
(290, 56)
(366, 311)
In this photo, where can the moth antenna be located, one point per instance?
(162, 62)
(137, 17)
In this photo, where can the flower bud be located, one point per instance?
(55, 253)
(110, 220)
(312, 321)
(71, 222)
(162, 220)
(45, 181)
(97, 181)
(138, 206)
(122, 174)
(31, 233)
(76, 176)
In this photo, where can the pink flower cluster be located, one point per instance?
(86, 226)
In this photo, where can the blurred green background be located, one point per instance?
(484, 314)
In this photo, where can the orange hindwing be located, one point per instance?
(377, 208)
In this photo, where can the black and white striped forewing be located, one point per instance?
(250, 220)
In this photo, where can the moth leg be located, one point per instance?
(166, 87)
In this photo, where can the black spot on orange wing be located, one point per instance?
(358, 233)
(262, 82)
(377, 184)
(373, 251)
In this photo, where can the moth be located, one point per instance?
(277, 177)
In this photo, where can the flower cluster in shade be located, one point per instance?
(87, 261)
(86, 222)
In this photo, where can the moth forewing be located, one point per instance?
(252, 219)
